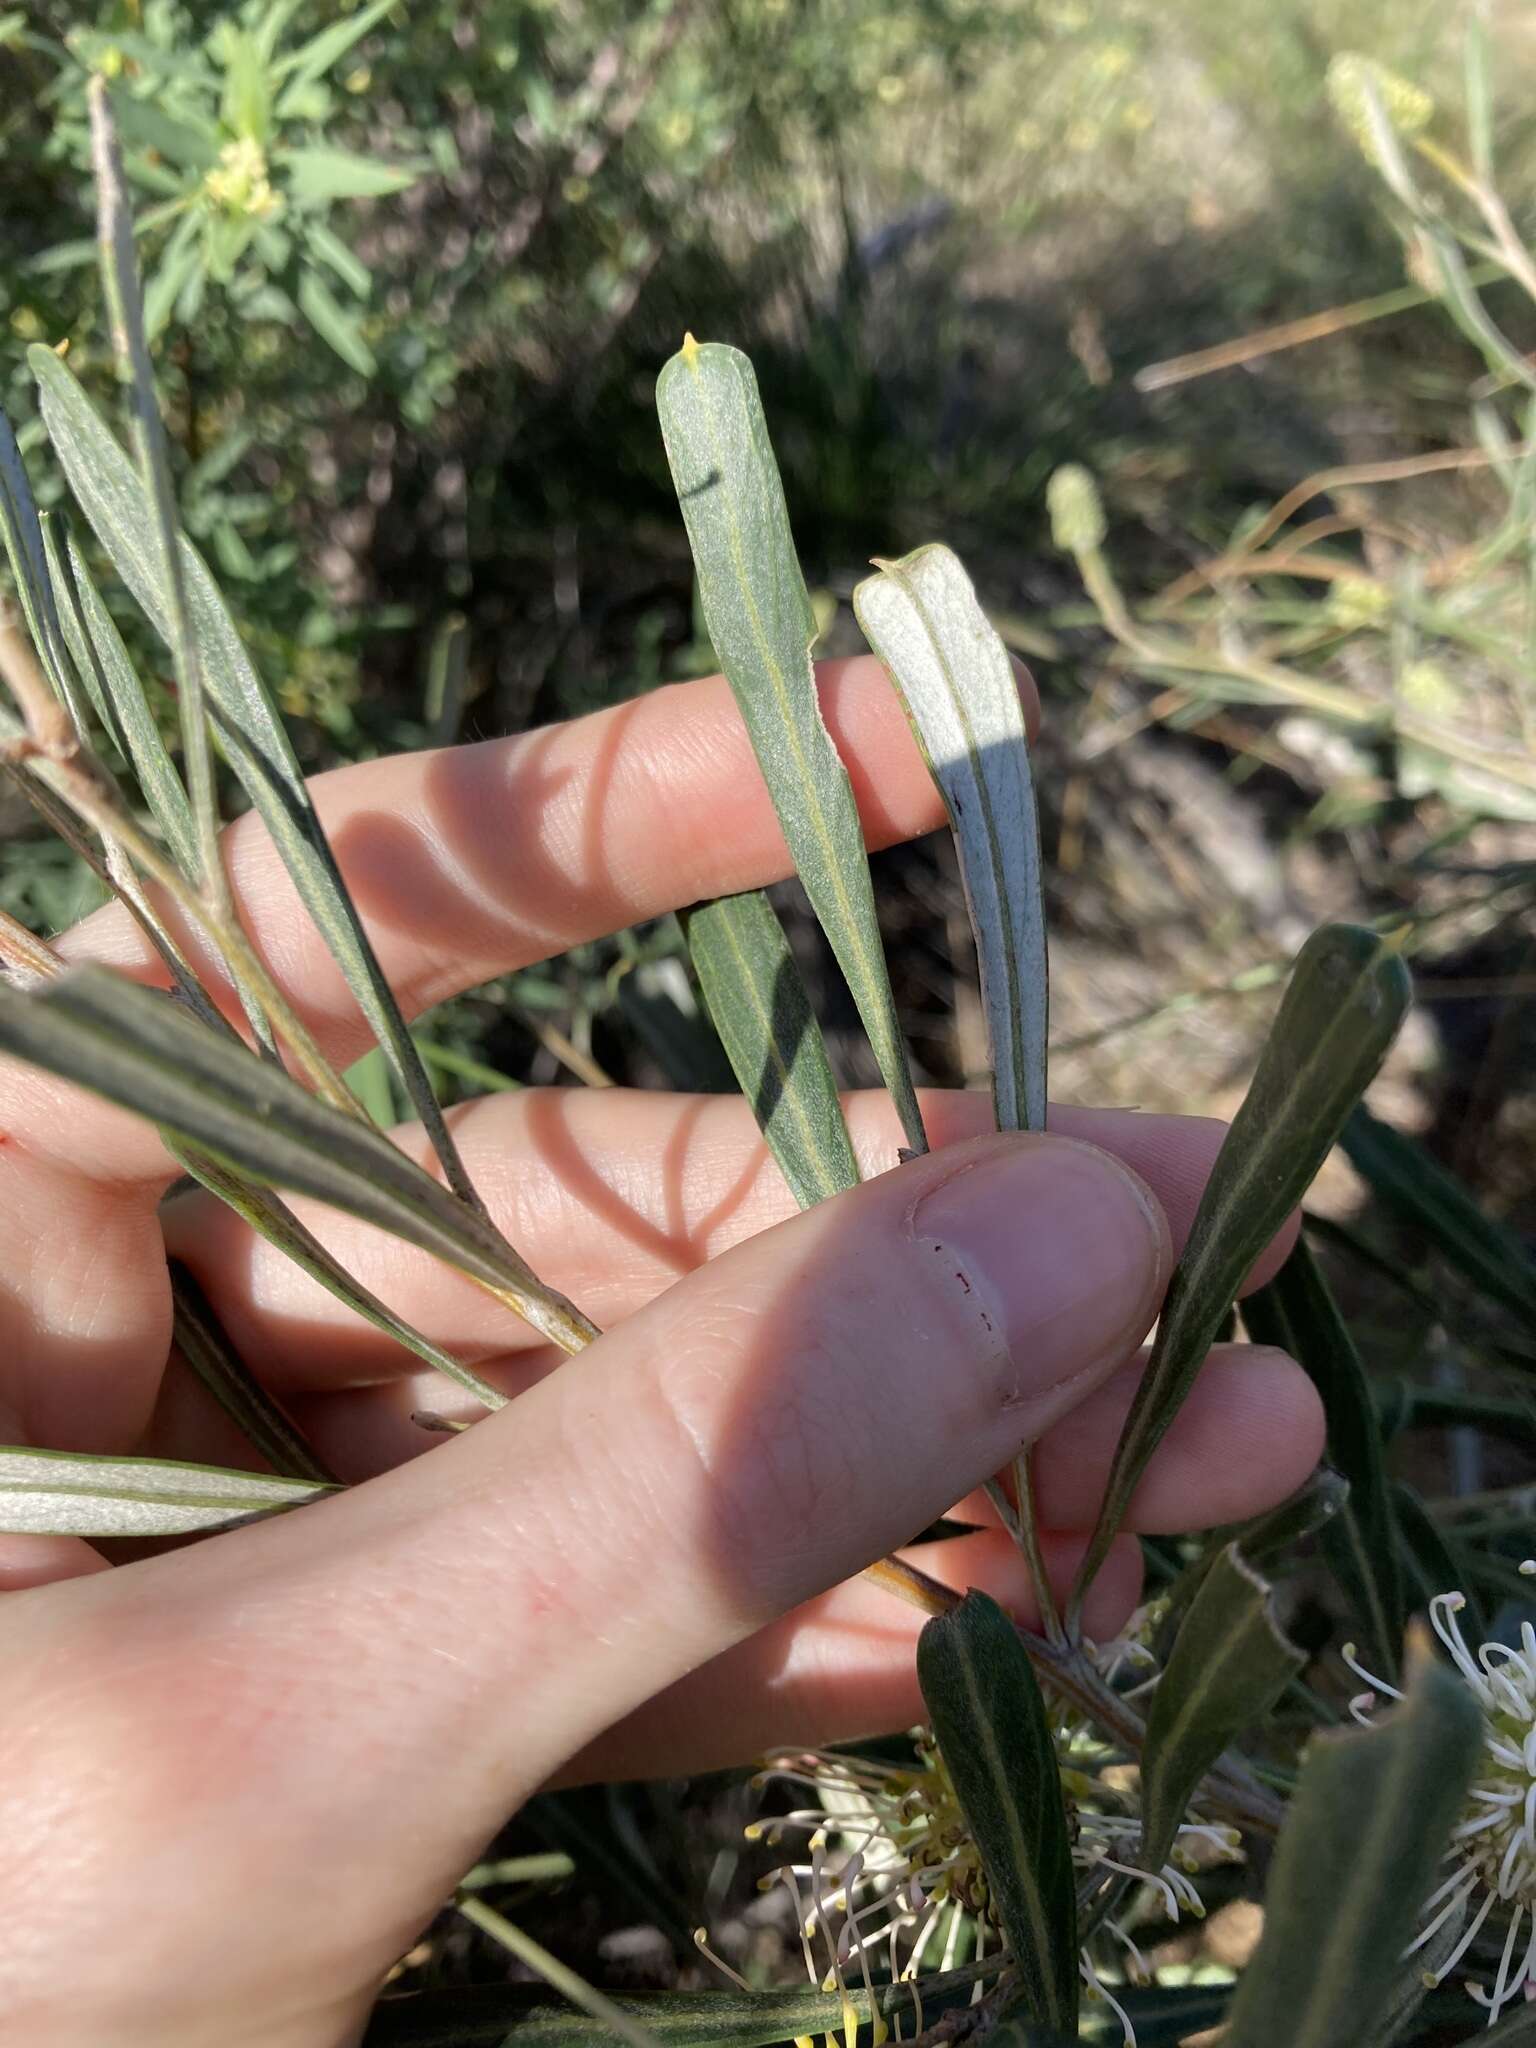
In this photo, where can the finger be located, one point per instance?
(474, 860)
(402, 1663)
(612, 1195)
(839, 1667)
(1249, 1433)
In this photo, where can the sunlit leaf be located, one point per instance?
(135, 1047)
(961, 694)
(247, 723)
(317, 176)
(69, 1493)
(762, 627)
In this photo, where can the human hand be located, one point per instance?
(283, 1745)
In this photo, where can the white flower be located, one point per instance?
(1493, 1847)
(890, 1867)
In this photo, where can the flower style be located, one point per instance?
(1493, 1847)
(891, 1867)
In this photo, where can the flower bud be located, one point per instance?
(1077, 517)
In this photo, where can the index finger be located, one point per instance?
(474, 860)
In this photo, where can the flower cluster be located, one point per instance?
(1493, 1846)
(239, 183)
(890, 1870)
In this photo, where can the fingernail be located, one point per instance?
(1058, 1251)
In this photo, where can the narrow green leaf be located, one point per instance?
(334, 253)
(270, 1216)
(200, 1338)
(1360, 1852)
(1427, 1565)
(70, 1493)
(77, 640)
(143, 124)
(315, 177)
(957, 682)
(530, 2016)
(313, 59)
(984, 1702)
(1297, 1312)
(1347, 995)
(762, 627)
(1479, 96)
(339, 328)
(132, 1045)
(104, 660)
(447, 681)
(22, 533)
(760, 1009)
(120, 288)
(1419, 1190)
(1265, 1541)
(249, 728)
(1230, 1663)
(165, 284)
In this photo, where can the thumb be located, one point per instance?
(392, 1671)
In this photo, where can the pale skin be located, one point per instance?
(241, 1776)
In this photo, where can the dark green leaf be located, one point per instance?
(1230, 1663)
(1360, 1851)
(68, 1493)
(763, 629)
(1404, 1176)
(961, 694)
(984, 1702)
(760, 1009)
(1428, 1567)
(1297, 1312)
(1347, 995)
(1265, 1541)
(529, 2016)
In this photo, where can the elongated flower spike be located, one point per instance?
(1493, 1847)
